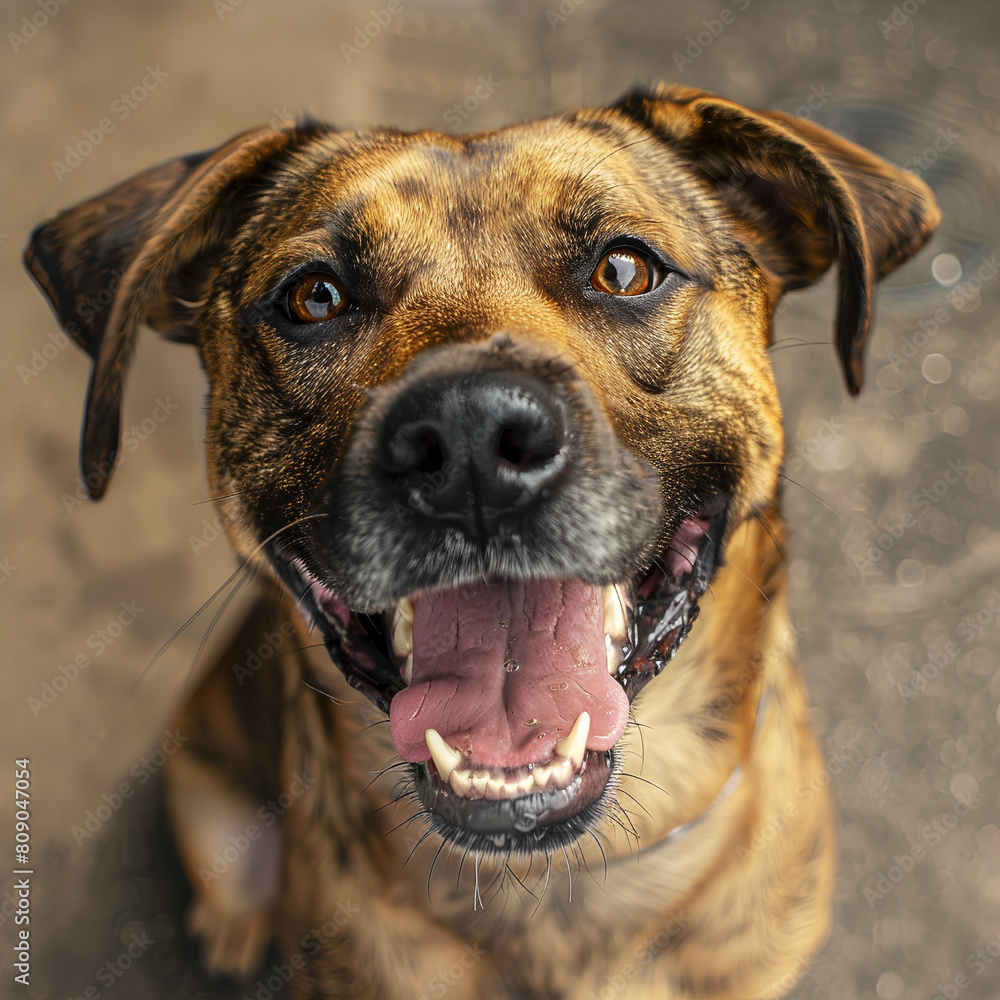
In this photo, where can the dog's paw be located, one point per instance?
(233, 944)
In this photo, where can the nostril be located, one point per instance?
(523, 450)
(511, 452)
(433, 459)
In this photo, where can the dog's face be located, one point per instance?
(490, 407)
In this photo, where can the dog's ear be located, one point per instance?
(139, 254)
(804, 196)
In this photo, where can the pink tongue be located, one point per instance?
(466, 643)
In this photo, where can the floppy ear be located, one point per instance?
(804, 198)
(140, 253)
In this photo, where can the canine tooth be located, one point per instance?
(614, 654)
(573, 747)
(404, 609)
(407, 672)
(402, 635)
(461, 781)
(615, 622)
(445, 758)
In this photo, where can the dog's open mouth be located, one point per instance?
(510, 696)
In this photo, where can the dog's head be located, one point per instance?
(489, 406)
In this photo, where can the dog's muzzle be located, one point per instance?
(487, 572)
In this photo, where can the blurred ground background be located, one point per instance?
(892, 499)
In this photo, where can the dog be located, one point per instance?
(493, 421)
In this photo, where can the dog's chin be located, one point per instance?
(509, 697)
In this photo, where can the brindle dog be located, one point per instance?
(496, 415)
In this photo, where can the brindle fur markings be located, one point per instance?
(635, 441)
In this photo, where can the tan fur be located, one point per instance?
(710, 871)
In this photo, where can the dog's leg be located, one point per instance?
(235, 879)
(224, 795)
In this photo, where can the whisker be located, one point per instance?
(413, 850)
(217, 616)
(642, 740)
(636, 801)
(477, 900)
(314, 686)
(545, 887)
(770, 533)
(600, 847)
(618, 149)
(815, 496)
(513, 875)
(380, 773)
(461, 865)
(241, 569)
(751, 582)
(569, 872)
(430, 870)
(639, 777)
(406, 822)
(227, 496)
(629, 830)
(780, 345)
(246, 567)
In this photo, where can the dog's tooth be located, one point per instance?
(461, 780)
(540, 776)
(407, 672)
(573, 747)
(562, 773)
(480, 779)
(404, 608)
(614, 654)
(615, 622)
(402, 634)
(524, 785)
(497, 788)
(445, 758)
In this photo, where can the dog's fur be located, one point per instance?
(473, 267)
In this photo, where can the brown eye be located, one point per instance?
(316, 298)
(624, 272)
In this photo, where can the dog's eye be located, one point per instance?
(624, 271)
(316, 298)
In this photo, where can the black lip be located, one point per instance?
(360, 652)
(664, 619)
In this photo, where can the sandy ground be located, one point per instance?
(892, 498)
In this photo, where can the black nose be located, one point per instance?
(475, 450)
